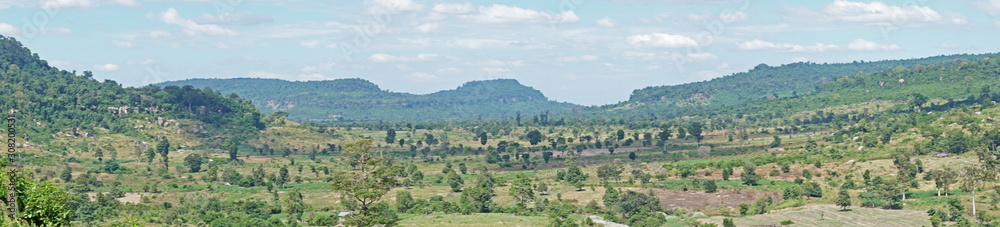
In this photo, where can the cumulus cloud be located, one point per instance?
(128, 3)
(585, 57)
(448, 70)
(123, 44)
(9, 30)
(418, 76)
(171, 16)
(865, 45)
(393, 58)
(426, 27)
(879, 13)
(785, 47)
(702, 56)
(516, 63)
(66, 4)
(991, 7)
(661, 40)
(106, 67)
(481, 43)
(454, 8)
(309, 43)
(233, 19)
(512, 14)
(606, 22)
(392, 6)
(733, 16)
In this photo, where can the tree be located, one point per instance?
(918, 100)
(479, 197)
(620, 135)
(294, 205)
(631, 155)
(695, 130)
(233, 148)
(534, 137)
(843, 199)
(163, 147)
(749, 175)
(455, 181)
(483, 138)
(710, 186)
(367, 185)
(974, 176)
(150, 155)
(574, 176)
(193, 162)
(611, 170)
(39, 203)
(390, 136)
(943, 178)
(404, 201)
(521, 188)
(546, 156)
(776, 142)
(67, 174)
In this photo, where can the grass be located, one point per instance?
(829, 215)
(475, 220)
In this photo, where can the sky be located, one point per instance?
(586, 52)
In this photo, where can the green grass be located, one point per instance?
(474, 220)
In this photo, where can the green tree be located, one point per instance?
(546, 156)
(843, 199)
(918, 100)
(67, 174)
(479, 197)
(521, 188)
(294, 205)
(368, 184)
(163, 147)
(609, 171)
(193, 162)
(404, 201)
(39, 203)
(710, 186)
(776, 142)
(749, 175)
(631, 156)
(233, 148)
(455, 181)
(695, 130)
(390, 136)
(534, 137)
(620, 135)
(483, 138)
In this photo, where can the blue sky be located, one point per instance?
(581, 51)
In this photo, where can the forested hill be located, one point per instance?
(52, 103)
(360, 100)
(762, 81)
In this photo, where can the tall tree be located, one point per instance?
(749, 175)
(193, 161)
(163, 147)
(844, 199)
(366, 186)
(521, 188)
(534, 137)
(694, 129)
(390, 136)
(482, 138)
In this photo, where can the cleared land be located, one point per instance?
(829, 215)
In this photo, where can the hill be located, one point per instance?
(761, 82)
(346, 100)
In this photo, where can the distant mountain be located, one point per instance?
(360, 100)
(761, 82)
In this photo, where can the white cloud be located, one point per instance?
(128, 3)
(233, 19)
(427, 27)
(421, 76)
(392, 6)
(264, 74)
(309, 43)
(785, 47)
(865, 45)
(480, 43)
(606, 22)
(661, 40)
(55, 31)
(512, 14)
(158, 34)
(392, 58)
(585, 57)
(448, 70)
(106, 67)
(9, 30)
(517, 63)
(454, 8)
(879, 13)
(800, 59)
(123, 44)
(991, 7)
(702, 56)
(733, 17)
(497, 71)
(66, 4)
(192, 28)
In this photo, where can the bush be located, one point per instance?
(787, 222)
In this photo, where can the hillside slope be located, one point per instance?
(360, 100)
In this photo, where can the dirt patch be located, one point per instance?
(724, 198)
(829, 215)
(589, 152)
(130, 197)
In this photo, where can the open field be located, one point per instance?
(829, 215)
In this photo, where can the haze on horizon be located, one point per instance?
(578, 51)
